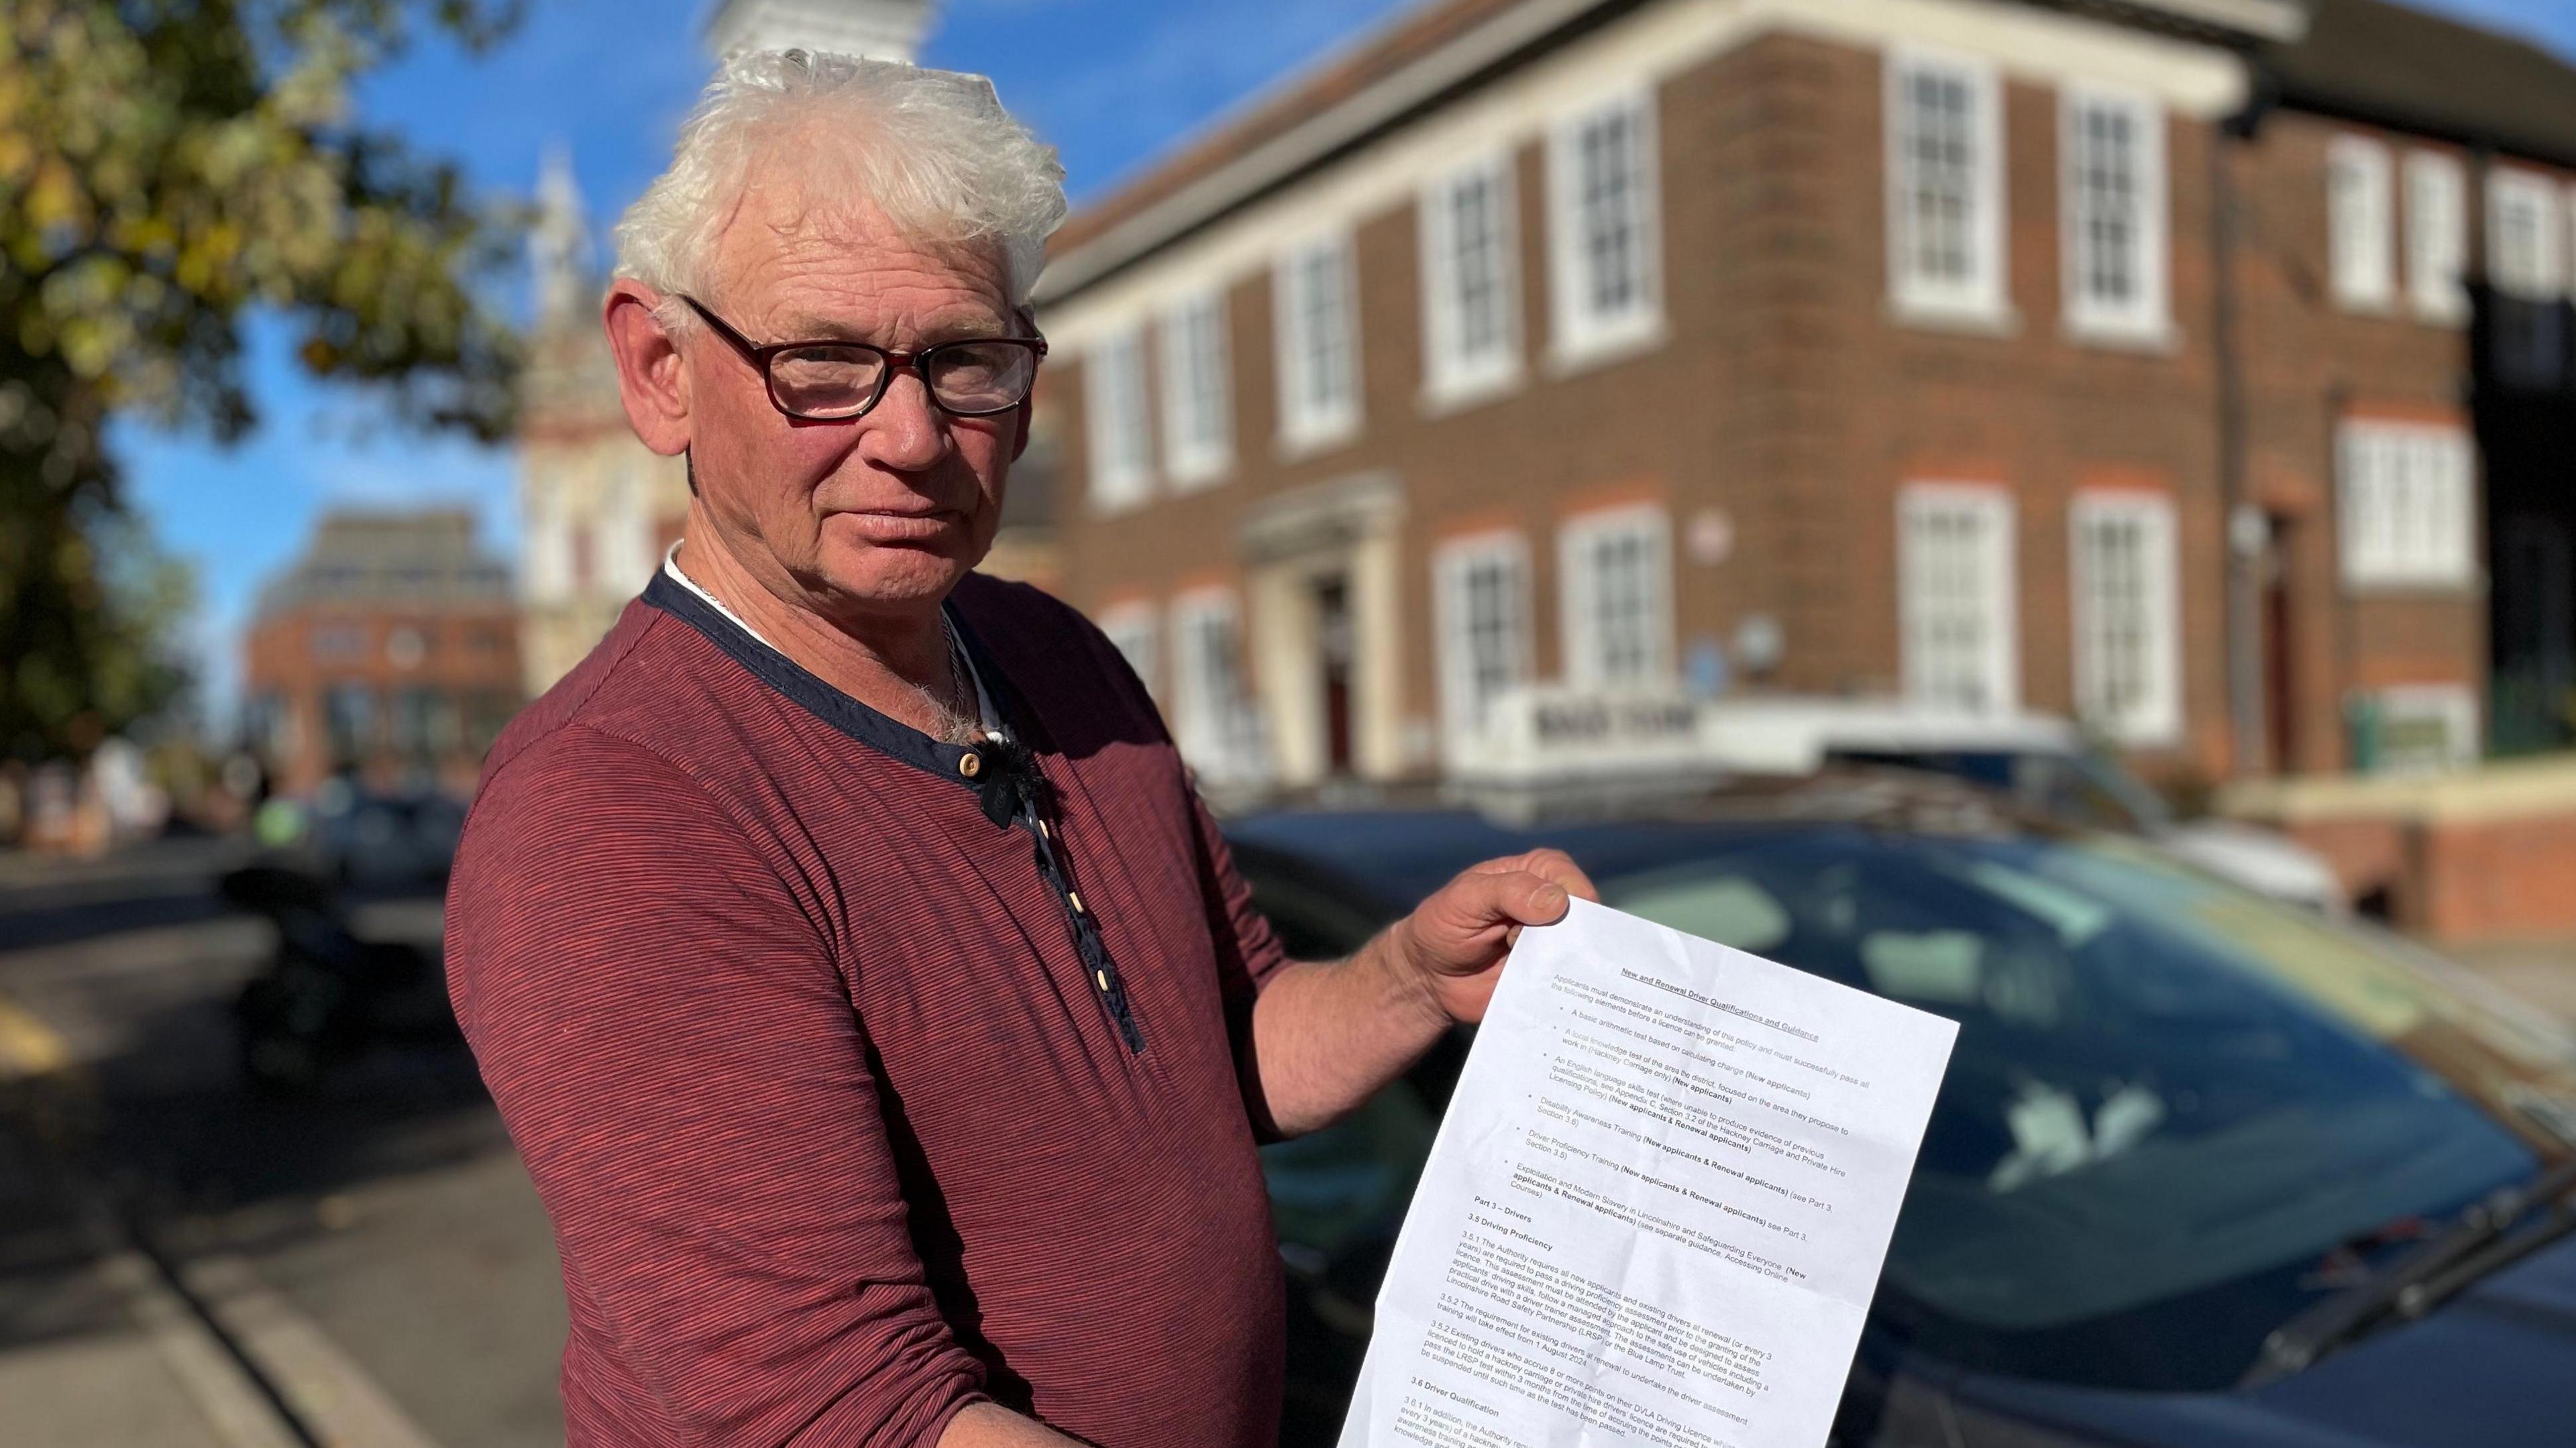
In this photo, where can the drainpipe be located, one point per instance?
(2245, 712)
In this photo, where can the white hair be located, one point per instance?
(932, 149)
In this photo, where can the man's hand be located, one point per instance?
(1454, 943)
(1326, 1037)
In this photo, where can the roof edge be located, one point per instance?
(2283, 22)
(1284, 155)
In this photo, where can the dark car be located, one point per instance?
(2206, 1170)
(386, 844)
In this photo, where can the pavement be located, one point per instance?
(185, 1261)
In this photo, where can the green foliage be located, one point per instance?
(164, 166)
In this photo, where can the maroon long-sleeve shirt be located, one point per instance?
(847, 1110)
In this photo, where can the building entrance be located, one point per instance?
(1320, 574)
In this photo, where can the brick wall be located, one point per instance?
(2484, 857)
(467, 656)
(2311, 362)
(1789, 399)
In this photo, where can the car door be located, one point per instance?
(1339, 1196)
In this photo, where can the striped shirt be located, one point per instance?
(865, 1075)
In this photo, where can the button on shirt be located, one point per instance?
(866, 1074)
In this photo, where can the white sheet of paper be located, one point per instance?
(1658, 1206)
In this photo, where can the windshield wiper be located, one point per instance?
(2502, 1229)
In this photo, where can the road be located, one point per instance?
(367, 1264)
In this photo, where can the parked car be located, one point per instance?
(2043, 761)
(2207, 1171)
(386, 843)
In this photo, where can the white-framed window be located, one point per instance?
(2117, 252)
(1118, 416)
(1135, 629)
(2406, 504)
(1606, 256)
(1198, 422)
(1319, 360)
(2526, 236)
(1213, 720)
(1617, 566)
(2361, 225)
(2437, 236)
(1956, 596)
(2127, 616)
(1945, 197)
(1481, 601)
(1471, 313)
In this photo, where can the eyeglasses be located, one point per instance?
(834, 381)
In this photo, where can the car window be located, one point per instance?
(1349, 1183)
(1990, 767)
(2144, 1115)
(1728, 909)
(1344, 1187)
(2082, 791)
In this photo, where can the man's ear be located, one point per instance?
(650, 380)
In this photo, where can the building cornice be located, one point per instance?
(1385, 102)
(2283, 22)
(1295, 150)
(1220, 182)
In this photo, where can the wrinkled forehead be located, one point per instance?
(806, 243)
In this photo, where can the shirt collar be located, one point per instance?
(1001, 774)
(987, 717)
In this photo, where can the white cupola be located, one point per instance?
(560, 262)
(878, 29)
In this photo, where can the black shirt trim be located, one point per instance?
(880, 732)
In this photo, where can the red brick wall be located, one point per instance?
(467, 652)
(2458, 881)
(2311, 362)
(1856, 404)
(1789, 398)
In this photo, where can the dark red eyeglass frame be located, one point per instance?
(918, 363)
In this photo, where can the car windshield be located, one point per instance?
(2170, 1103)
(2176, 1116)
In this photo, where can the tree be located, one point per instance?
(165, 166)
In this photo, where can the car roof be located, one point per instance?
(1845, 720)
(1402, 845)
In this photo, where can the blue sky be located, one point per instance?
(1110, 82)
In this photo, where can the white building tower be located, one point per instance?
(596, 508)
(879, 29)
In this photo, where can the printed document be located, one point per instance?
(1658, 1206)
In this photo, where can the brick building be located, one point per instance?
(390, 649)
(2159, 364)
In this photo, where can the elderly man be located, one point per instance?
(876, 1007)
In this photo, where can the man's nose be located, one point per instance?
(905, 431)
